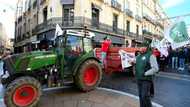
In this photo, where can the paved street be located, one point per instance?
(172, 90)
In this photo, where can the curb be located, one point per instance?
(106, 89)
(175, 76)
(127, 94)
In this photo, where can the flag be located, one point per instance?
(58, 31)
(126, 58)
(177, 35)
(161, 46)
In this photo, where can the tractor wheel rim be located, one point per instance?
(90, 76)
(24, 95)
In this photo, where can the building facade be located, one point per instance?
(5, 42)
(154, 20)
(125, 21)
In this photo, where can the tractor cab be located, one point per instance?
(70, 47)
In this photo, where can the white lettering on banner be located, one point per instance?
(126, 58)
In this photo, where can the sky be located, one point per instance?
(176, 8)
(7, 12)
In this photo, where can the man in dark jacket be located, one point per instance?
(181, 59)
(146, 66)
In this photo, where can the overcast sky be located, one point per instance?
(7, 12)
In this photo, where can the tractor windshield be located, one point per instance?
(59, 41)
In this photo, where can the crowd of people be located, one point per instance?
(175, 61)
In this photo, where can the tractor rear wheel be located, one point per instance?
(23, 92)
(89, 75)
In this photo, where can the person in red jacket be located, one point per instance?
(104, 48)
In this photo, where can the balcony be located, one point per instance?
(138, 18)
(35, 4)
(66, 2)
(131, 34)
(42, 2)
(48, 25)
(79, 23)
(95, 23)
(148, 18)
(160, 24)
(129, 12)
(116, 5)
(101, 0)
(139, 38)
(147, 34)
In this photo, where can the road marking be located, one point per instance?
(176, 78)
(2, 103)
(1, 100)
(174, 74)
(56, 88)
(128, 94)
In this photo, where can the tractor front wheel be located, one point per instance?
(23, 92)
(89, 75)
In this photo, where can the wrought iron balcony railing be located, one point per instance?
(129, 12)
(80, 22)
(115, 4)
(138, 18)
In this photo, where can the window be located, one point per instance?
(68, 15)
(137, 30)
(24, 28)
(127, 5)
(28, 25)
(115, 22)
(74, 45)
(35, 21)
(95, 17)
(146, 2)
(45, 14)
(128, 26)
(137, 10)
(87, 45)
(59, 41)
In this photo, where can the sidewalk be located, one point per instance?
(98, 98)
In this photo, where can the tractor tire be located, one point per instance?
(88, 76)
(23, 92)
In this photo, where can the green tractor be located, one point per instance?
(69, 60)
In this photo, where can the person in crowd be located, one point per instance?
(181, 59)
(174, 55)
(146, 66)
(163, 63)
(156, 52)
(44, 44)
(186, 52)
(169, 57)
(6, 53)
(104, 48)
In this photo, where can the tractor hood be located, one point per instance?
(29, 61)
